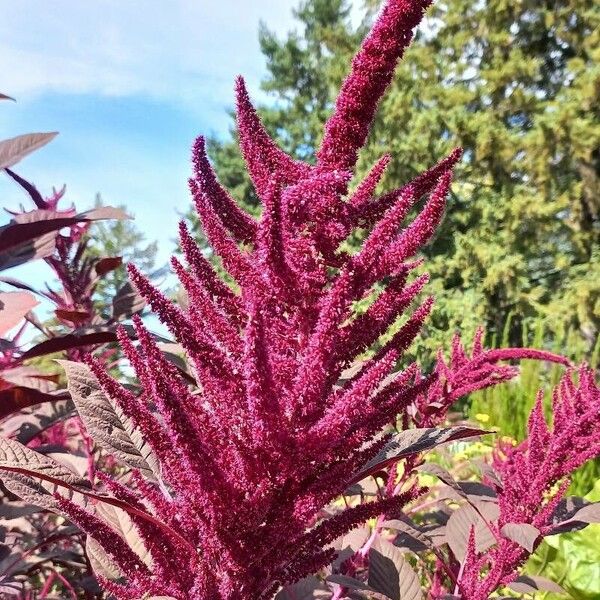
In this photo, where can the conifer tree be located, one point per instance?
(126, 240)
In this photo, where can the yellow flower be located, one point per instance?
(482, 417)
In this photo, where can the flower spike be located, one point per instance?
(263, 157)
(372, 71)
(297, 366)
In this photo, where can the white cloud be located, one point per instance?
(178, 50)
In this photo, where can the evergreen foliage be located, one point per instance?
(119, 238)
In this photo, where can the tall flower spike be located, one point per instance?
(422, 228)
(204, 310)
(138, 573)
(368, 327)
(372, 71)
(370, 210)
(240, 223)
(366, 188)
(235, 260)
(207, 278)
(262, 155)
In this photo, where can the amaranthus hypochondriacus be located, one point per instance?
(242, 453)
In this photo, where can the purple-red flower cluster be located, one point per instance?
(272, 433)
(535, 478)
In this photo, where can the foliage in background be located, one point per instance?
(517, 86)
(119, 238)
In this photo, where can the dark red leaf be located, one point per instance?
(63, 482)
(127, 302)
(103, 213)
(16, 283)
(30, 377)
(529, 584)
(37, 198)
(362, 589)
(106, 265)
(28, 251)
(17, 398)
(73, 316)
(524, 534)
(410, 535)
(42, 214)
(442, 474)
(72, 340)
(37, 223)
(414, 441)
(309, 588)
(462, 520)
(574, 513)
(390, 573)
(29, 423)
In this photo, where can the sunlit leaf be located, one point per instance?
(13, 308)
(523, 534)
(391, 574)
(529, 584)
(15, 149)
(104, 422)
(414, 441)
(459, 526)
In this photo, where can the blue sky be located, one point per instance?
(128, 85)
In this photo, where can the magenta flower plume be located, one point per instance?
(535, 477)
(263, 158)
(246, 460)
(242, 226)
(372, 71)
